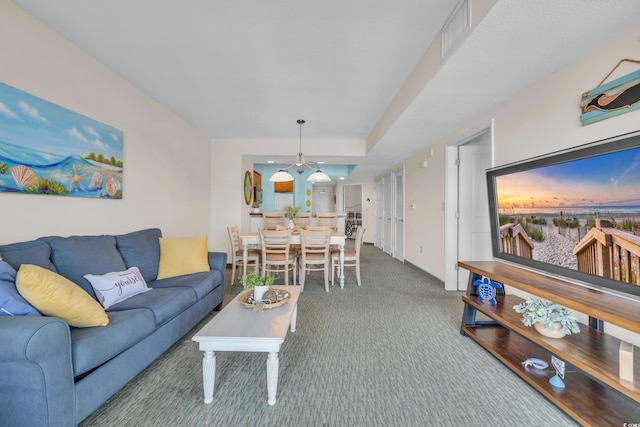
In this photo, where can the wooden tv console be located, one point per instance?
(594, 394)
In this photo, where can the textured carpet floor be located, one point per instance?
(388, 353)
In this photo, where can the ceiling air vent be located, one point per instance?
(456, 26)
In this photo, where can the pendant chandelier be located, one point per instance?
(283, 176)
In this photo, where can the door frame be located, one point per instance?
(377, 212)
(387, 212)
(397, 250)
(451, 199)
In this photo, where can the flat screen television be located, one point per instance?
(573, 213)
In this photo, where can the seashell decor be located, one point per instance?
(270, 296)
(23, 176)
(96, 180)
(112, 186)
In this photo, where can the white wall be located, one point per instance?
(424, 225)
(166, 180)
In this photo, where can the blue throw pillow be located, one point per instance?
(36, 252)
(141, 249)
(11, 303)
(76, 256)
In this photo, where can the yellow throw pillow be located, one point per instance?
(179, 256)
(54, 295)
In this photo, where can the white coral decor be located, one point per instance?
(535, 310)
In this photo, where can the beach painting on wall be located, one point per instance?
(47, 149)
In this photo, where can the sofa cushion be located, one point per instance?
(76, 256)
(200, 283)
(33, 252)
(185, 255)
(11, 302)
(165, 303)
(141, 249)
(54, 295)
(91, 347)
(111, 288)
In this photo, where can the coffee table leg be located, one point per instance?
(292, 326)
(272, 377)
(208, 375)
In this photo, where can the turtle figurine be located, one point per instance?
(486, 289)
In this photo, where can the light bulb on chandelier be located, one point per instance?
(283, 176)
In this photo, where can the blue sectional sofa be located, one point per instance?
(56, 375)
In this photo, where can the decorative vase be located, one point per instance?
(291, 224)
(551, 333)
(258, 292)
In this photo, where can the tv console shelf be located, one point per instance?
(594, 394)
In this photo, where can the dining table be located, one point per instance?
(253, 238)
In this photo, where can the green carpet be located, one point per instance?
(388, 353)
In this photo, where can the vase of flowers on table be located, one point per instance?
(291, 212)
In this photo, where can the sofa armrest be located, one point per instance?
(36, 370)
(218, 261)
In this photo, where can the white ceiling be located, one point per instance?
(250, 68)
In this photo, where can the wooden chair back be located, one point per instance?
(315, 253)
(329, 219)
(276, 255)
(351, 257)
(302, 219)
(253, 257)
(271, 219)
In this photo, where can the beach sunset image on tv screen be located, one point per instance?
(580, 213)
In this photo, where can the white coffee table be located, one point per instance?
(238, 328)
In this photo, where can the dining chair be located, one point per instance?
(270, 219)
(351, 257)
(276, 254)
(315, 254)
(328, 218)
(236, 253)
(302, 219)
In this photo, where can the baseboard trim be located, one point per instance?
(434, 278)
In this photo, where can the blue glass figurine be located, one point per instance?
(486, 289)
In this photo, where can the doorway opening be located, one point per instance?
(352, 208)
(467, 227)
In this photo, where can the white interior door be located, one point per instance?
(387, 187)
(282, 200)
(377, 214)
(474, 234)
(398, 215)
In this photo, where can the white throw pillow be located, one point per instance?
(112, 288)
